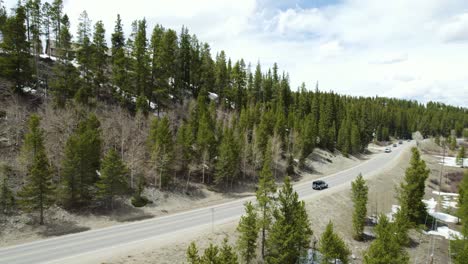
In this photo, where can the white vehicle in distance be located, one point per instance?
(388, 150)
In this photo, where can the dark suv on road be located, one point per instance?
(319, 185)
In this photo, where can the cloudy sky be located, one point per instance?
(414, 49)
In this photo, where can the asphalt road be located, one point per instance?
(61, 248)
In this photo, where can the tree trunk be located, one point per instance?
(188, 181)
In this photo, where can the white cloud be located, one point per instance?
(391, 58)
(456, 29)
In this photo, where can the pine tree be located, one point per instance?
(411, 191)
(161, 141)
(142, 61)
(99, 59)
(248, 234)
(160, 94)
(184, 60)
(118, 60)
(56, 10)
(360, 191)
(7, 197)
(461, 156)
(228, 159)
(205, 138)
(290, 234)
(84, 54)
(462, 211)
(401, 225)
(38, 193)
(265, 198)
(192, 254)
(35, 10)
(355, 139)
(333, 247)
(210, 255)
(221, 75)
(168, 62)
(112, 181)
(15, 65)
(81, 161)
(66, 82)
(227, 255)
(47, 24)
(385, 249)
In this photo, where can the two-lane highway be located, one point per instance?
(61, 248)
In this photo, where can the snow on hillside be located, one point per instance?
(452, 161)
(431, 205)
(449, 200)
(445, 232)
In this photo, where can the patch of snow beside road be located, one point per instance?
(445, 232)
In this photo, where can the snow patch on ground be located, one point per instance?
(28, 90)
(431, 205)
(395, 209)
(213, 96)
(444, 193)
(445, 232)
(452, 161)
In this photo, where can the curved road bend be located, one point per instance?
(55, 249)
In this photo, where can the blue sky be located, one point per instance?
(414, 49)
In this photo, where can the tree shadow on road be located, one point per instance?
(61, 228)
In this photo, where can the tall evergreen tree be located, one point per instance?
(411, 191)
(265, 198)
(38, 192)
(205, 135)
(332, 247)
(84, 54)
(160, 93)
(227, 255)
(7, 197)
(112, 181)
(221, 75)
(168, 62)
(290, 234)
(81, 161)
(66, 82)
(461, 156)
(47, 25)
(99, 59)
(228, 159)
(184, 61)
(142, 61)
(211, 255)
(118, 59)
(462, 211)
(15, 65)
(57, 14)
(192, 254)
(248, 234)
(385, 249)
(161, 141)
(360, 191)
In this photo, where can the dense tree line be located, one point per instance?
(200, 116)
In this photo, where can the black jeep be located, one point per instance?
(319, 185)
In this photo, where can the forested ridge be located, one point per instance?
(91, 120)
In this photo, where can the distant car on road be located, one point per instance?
(394, 145)
(388, 150)
(400, 142)
(319, 185)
